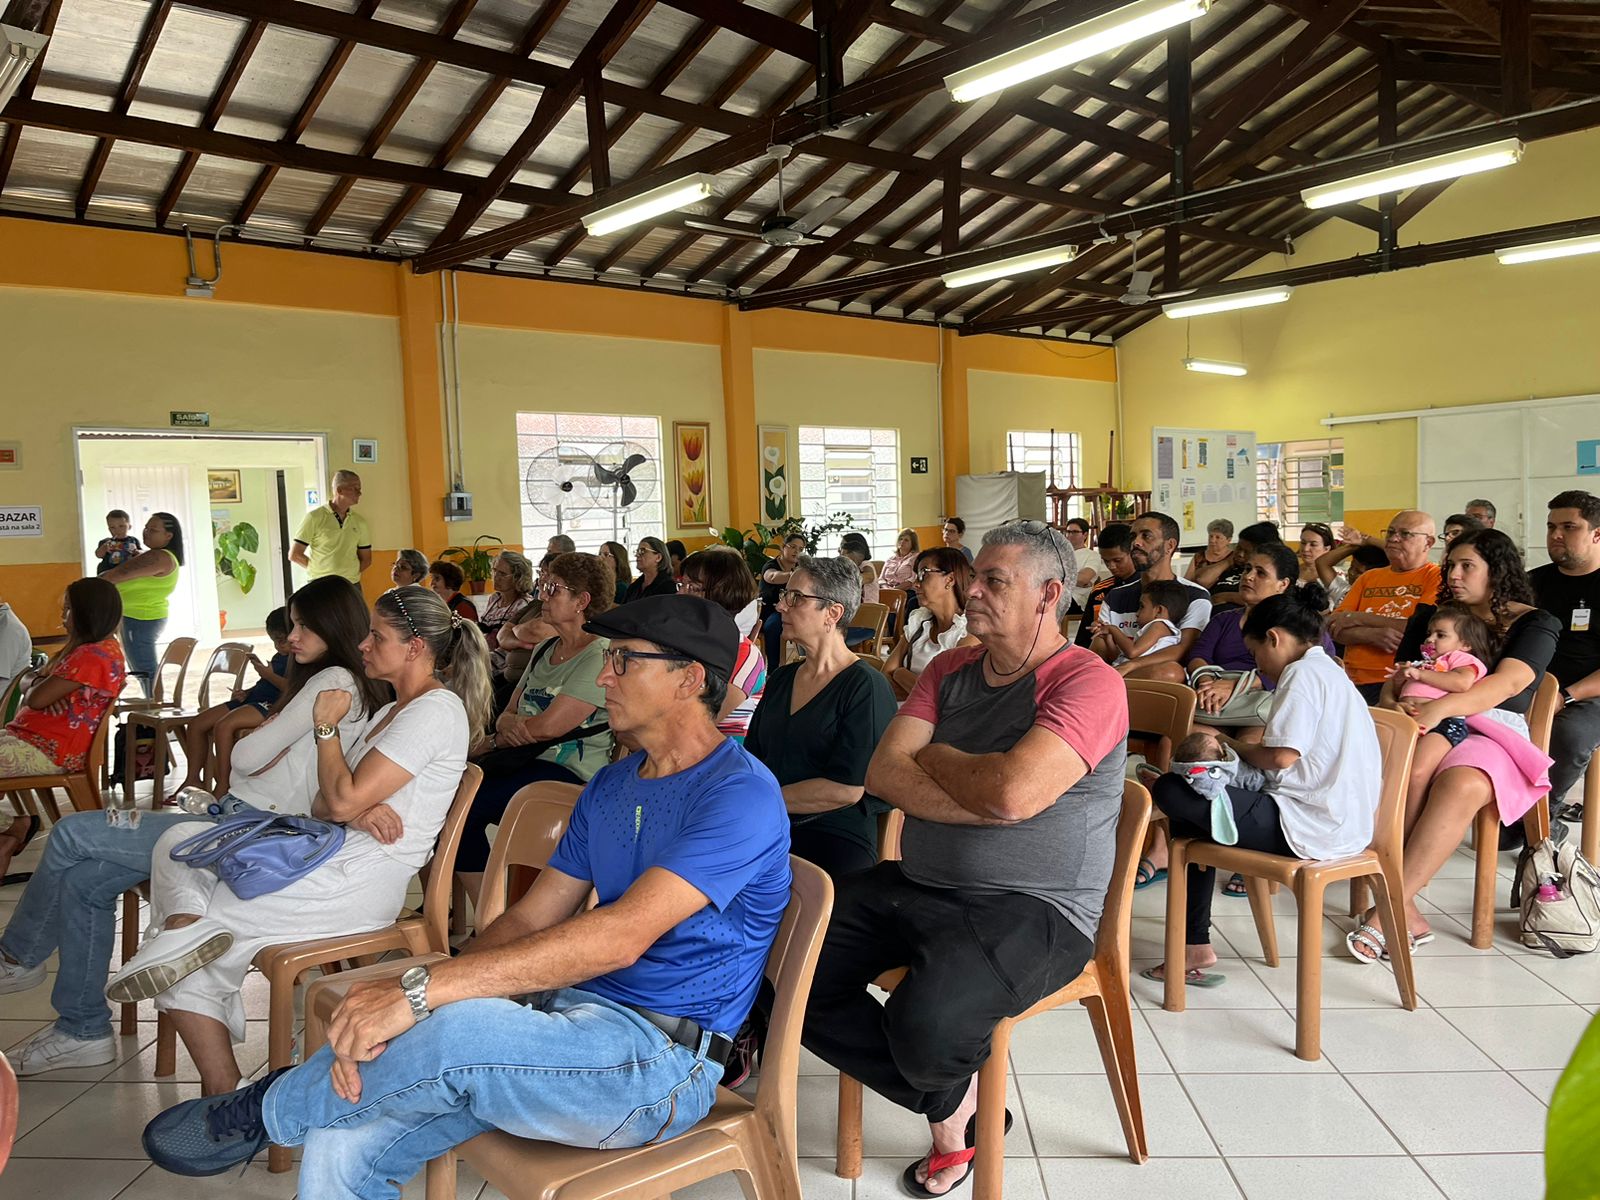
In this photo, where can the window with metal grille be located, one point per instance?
(1041, 450)
(854, 471)
(604, 521)
(1297, 482)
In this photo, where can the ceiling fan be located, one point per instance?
(1140, 282)
(782, 229)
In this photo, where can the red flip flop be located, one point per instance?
(938, 1162)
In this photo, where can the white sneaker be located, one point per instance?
(14, 977)
(166, 957)
(52, 1050)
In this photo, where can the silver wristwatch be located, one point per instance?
(414, 983)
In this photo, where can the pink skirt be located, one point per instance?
(1518, 770)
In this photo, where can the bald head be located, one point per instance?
(1408, 539)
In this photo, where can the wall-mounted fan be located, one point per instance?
(623, 475)
(781, 229)
(559, 484)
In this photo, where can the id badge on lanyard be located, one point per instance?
(1580, 618)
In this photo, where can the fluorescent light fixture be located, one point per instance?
(1008, 267)
(1213, 366)
(1081, 41)
(1539, 251)
(667, 198)
(1216, 304)
(1453, 165)
(19, 50)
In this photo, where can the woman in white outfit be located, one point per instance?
(391, 787)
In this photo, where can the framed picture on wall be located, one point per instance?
(223, 486)
(776, 486)
(692, 442)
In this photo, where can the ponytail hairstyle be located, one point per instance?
(332, 608)
(1298, 612)
(460, 655)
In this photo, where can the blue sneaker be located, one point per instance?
(210, 1135)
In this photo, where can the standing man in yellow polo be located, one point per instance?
(334, 539)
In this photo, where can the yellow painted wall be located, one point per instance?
(794, 389)
(1456, 333)
(507, 371)
(119, 361)
(999, 403)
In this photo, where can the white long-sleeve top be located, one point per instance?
(275, 765)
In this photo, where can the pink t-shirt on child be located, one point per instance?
(1450, 661)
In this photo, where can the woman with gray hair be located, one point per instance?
(410, 566)
(512, 580)
(1208, 566)
(820, 719)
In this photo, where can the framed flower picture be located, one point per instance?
(692, 440)
(773, 442)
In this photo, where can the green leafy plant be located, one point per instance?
(476, 563)
(229, 549)
(1571, 1171)
(754, 542)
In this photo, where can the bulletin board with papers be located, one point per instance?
(1199, 475)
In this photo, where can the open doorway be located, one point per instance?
(213, 483)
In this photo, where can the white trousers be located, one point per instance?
(358, 890)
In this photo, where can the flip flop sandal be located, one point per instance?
(1372, 938)
(939, 1162)
(1191, 978)
(1148, 875)
(1421, 939)
(1236, 887)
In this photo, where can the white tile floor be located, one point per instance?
(1448, 1101)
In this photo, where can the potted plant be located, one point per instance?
(476, 563)
(754, 543)
(229, 549)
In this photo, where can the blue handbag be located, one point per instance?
(255, 853)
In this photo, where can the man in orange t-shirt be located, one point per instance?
(1370, 621)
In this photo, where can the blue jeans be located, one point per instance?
(139, 647)
(70, 905)
(566, 1066)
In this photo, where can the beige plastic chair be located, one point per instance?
(876, 618)
(10, 1110)
(1380, 863)
(82, 786)
(227, 663)
(1102, 988)
(139, 711)
(1160, 716)
(756, 1141)
(1535, 822)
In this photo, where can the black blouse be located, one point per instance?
(664, 585)
(1531, 639)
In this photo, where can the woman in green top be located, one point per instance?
(554, 726)
(146, 582)
(820, 719)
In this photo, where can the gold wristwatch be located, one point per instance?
(324, 732)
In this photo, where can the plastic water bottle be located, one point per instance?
(198, 801)
(1550, 889)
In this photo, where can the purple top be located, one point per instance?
(1221, 644)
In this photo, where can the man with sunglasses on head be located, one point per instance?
(1007, 761)
(1371, 620)
(605, 1027)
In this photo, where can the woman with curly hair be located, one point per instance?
(1496, 762)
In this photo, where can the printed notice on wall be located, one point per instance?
(21, 521)
(1164, 458)
(1191, 487)
(1203, 454)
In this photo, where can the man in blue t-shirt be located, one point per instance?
(604, 1027)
